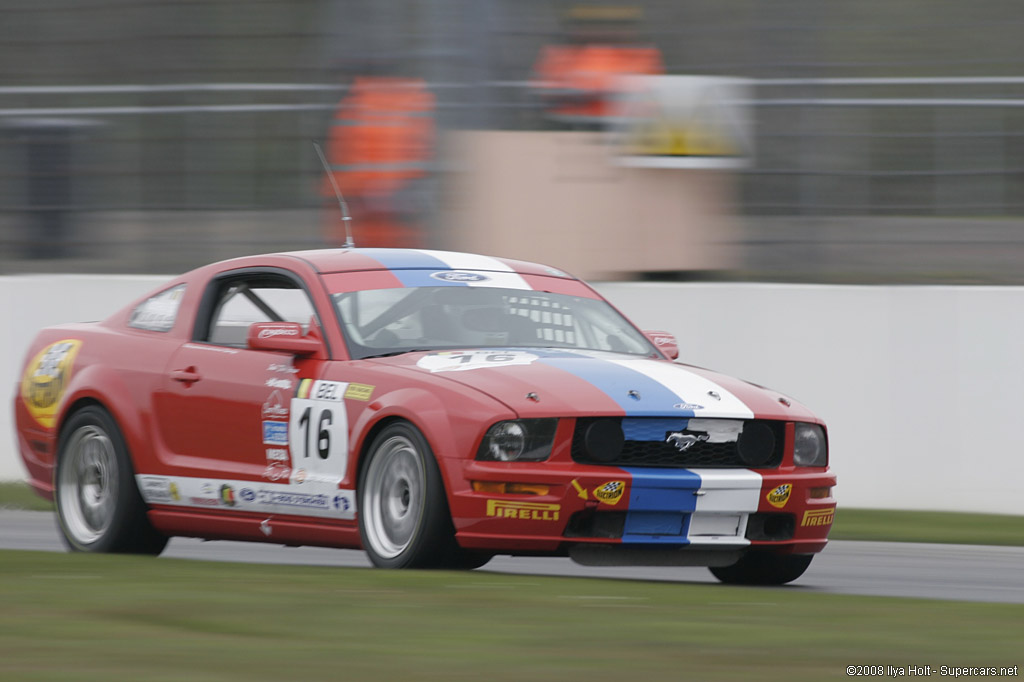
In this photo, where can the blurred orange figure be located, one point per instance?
(579, 79)
(379, 148)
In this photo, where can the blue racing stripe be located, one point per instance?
(660, 504)
(400, 259)
(411, 267)
(651, 399)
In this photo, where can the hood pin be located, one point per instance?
(533, 396)
(635, 395)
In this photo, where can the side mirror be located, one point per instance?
(665, 342)
(283, 337)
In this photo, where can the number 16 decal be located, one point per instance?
(320, 434)
(318, 431)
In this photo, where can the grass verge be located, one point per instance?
(111, 618)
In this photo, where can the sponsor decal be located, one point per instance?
(204, 501)
(359, 392)
(581, 492)
(693, 407)
(277, 455)
(459, 276)
(175, 493)
(247, 495)
(289, 499)
(458, 361)
(271, 332)
(685, 441)
(327, 390)
(779, 496)
(524, 511)
(299, 476)
(611, 492)
(818, 517)
(277, 471)
(284, 369)
(274, 407)
(342, 503)
(284, 384)
(275, 433)
(157, 489)
(227, 495)
(46, 378)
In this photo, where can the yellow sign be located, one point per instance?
(524, 511)
(359, 391)
(818, 517)
(611, 492)
(780, 496)
(46, 378)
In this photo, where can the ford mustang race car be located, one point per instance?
(433, 408)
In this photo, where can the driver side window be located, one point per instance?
(242, 301)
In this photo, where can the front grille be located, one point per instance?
(645, 445)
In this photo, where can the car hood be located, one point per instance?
(544, 382)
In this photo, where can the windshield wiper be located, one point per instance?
(393, 353)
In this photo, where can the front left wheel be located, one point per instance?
(99, 508)
(404, 520)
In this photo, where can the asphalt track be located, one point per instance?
(955, 572)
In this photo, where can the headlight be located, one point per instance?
(810, 448)
(518, 440)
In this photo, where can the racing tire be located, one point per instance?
(404, 520)
(763, 568)
(99, 508)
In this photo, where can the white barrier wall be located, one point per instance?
(920, 386)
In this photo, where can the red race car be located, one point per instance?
(433, 408)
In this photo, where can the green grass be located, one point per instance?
(110, 618)
(928, 526)
(17, 495)
(850, 524)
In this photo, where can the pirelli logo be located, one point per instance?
(524, 511)
(818, 517)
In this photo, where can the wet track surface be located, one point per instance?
(959, 572)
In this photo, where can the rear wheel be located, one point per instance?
(99, 508)
(404, 520)
(763, 568)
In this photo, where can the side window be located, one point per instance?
(158, 313)
(243, 301)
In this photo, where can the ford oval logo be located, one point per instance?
(459, 276)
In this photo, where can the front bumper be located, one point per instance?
(708, 512)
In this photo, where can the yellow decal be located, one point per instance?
(359, 391)
(580, 490)
(818, 517)
(302, 391)
(610, 492)
(780, 496)
(175, 494)
(524, 511)
(45, 379)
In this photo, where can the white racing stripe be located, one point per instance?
(691, 388)
(498, 274)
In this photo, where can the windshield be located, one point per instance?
(391, 321)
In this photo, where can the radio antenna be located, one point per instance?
(346, 219)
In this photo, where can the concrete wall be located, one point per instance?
(921, 386)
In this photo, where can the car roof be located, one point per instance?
(328, 261)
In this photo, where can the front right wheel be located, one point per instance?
(758, 567)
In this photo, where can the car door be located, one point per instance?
(239, 425)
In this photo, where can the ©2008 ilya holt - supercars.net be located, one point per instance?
(433, 408)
